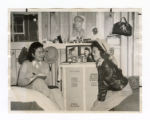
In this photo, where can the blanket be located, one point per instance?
(24, 95)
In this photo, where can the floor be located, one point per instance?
(132, 103)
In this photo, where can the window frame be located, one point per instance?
(23, 33)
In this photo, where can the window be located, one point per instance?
(24, 27)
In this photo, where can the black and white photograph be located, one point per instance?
(75, 60)
(72, 53)
(86, 52)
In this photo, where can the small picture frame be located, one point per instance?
(85, 50)
(72, 53)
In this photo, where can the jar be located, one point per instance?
(84, 59)
(79, 59)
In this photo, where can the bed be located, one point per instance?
(31, 100)
(28, 99)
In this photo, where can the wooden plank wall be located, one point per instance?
(130, 46)
(124, 50)
(137, 44)
(127, 50)
(13, 68)
(60, 23)
(44, 26)
(100, 18)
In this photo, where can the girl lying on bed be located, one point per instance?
(34, 74)
(113, 87)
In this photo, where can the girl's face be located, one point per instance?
(78, 23)
(96, 53)
(86, 52)
(39, 54)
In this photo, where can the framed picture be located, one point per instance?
(72, 53)
(85, 50)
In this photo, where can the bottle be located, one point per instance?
(84, 59)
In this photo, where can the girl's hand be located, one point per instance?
(41, 76)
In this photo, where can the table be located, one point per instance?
(79, 85)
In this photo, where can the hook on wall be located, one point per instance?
(139, 13)
(52, 13)
(26, 10)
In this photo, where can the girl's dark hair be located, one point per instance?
(32, 50)
(103, 54)
(87, 49)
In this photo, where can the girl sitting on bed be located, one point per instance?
(113, 87)
(35, 73)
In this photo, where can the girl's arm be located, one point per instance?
(102, 88)
(25, 76)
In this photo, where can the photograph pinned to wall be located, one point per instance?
(72, 53)
(77, 29)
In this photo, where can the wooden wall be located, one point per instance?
(127, 51)
(130, 54)
(60, 23)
